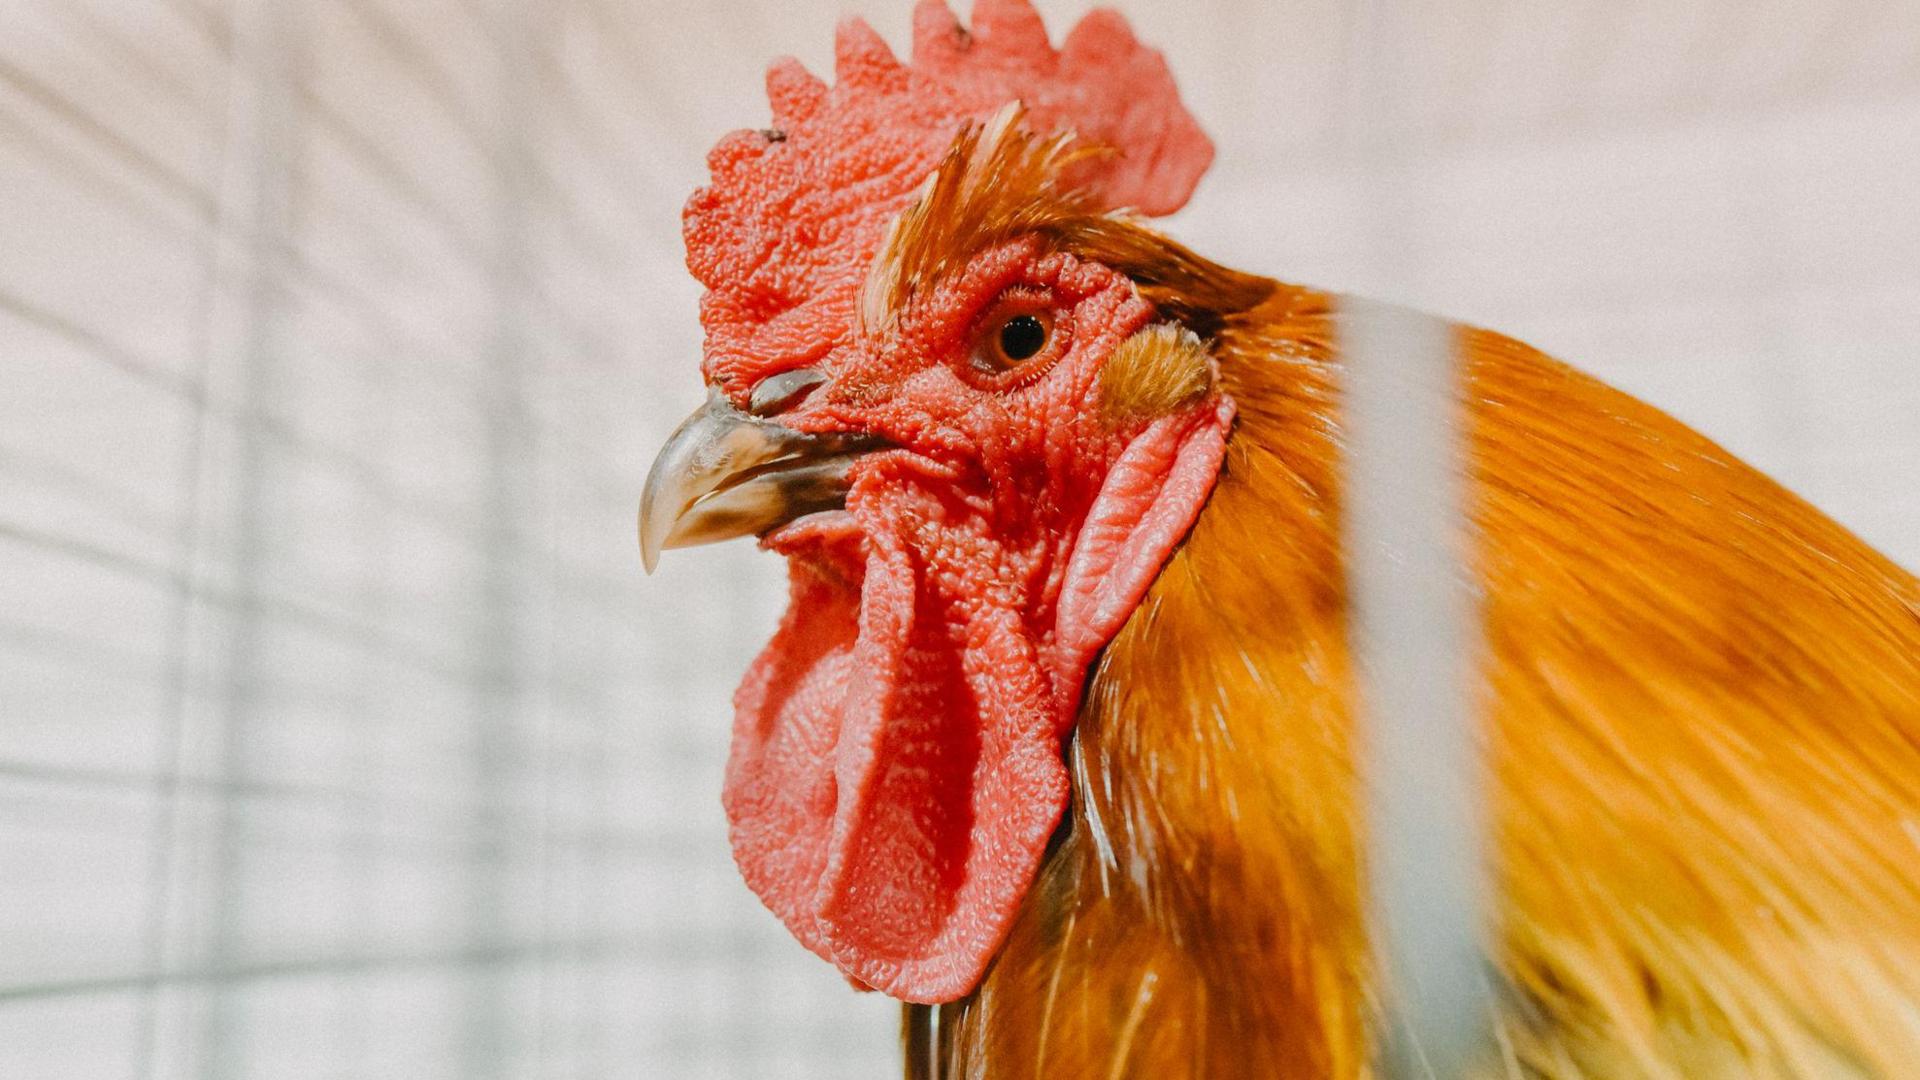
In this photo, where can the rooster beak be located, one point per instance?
(724, 474)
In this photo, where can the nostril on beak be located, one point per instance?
(778, 393)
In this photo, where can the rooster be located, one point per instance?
(1054, 740)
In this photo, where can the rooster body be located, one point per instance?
(1705, 739)
(1055, 742)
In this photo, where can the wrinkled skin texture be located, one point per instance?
(896, 769)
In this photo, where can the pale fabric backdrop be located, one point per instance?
(340, 735)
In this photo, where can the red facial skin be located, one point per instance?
(1035, 427)
(897, 762)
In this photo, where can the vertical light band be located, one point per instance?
(1414, 630)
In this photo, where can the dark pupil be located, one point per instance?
(1022, 336)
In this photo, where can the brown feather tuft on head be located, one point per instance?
(999, 181)
(996, 182)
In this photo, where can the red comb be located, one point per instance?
(783, 235)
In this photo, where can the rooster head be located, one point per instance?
(966, 393)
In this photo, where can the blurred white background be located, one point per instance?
(340, 735)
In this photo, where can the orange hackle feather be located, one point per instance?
(1702, 709)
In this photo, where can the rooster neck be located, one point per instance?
(1708, 683)
(1213, 813)
(1195, 879)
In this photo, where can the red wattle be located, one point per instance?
(1148, 502)
(896, 768)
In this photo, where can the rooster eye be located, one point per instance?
(1013, 339)
(1021, 337)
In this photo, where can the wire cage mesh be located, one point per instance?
(339, 733)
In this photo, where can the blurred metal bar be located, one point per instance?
(164, 884)
(502, 695)
(1414, 628)
(494, 956)
(1414, 631)
(255, 212)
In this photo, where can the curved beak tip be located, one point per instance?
(724, 473)
(656, 519)
(649, 553)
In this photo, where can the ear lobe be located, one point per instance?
(1149, 500)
